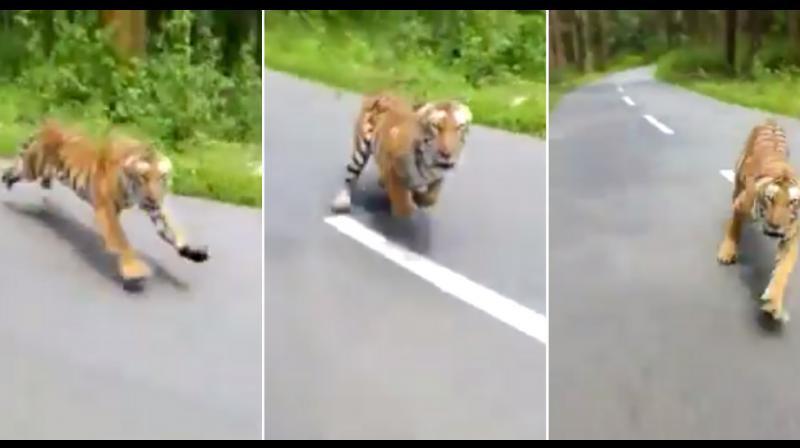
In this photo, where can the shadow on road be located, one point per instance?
(87, 242)
(414, 233)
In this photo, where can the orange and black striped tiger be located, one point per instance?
(767, 191)
(414, 144)
(112, 175)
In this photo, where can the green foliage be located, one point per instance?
(489, 58)
(179, 96)
(693, 61)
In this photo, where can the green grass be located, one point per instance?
(204, 167)
(702, 70)
(351, 61)
(564, 81)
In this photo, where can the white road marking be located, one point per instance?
(628, 100)
(659, 125)
(506, 310)
(727, 174)
(620, 89)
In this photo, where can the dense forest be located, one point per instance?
(188, 80)
(735, 41)
(486, 57)
(725, 53)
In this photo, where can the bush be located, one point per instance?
(181, 96)
(159, 93)
(693, 61)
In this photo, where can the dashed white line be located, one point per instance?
(628, 100)
(727, 174)
(506, 310)
(659, 125)
(620, 89)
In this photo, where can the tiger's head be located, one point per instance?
(149, 175)
(777, 204)
(446, 125)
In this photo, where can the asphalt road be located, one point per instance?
(650, 337)
(83, 359)
(358, 347)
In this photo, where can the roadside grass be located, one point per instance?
(702, 69)
(365, 63)
(223, 171)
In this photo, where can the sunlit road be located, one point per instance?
(357, 346)
(650, 337)
(82, 358)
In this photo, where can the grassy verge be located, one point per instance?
(355, 62)
(702, 70)
(204, 167)
(564, 81)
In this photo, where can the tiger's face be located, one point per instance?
(777, 205)
(151, 177)
(445, 126)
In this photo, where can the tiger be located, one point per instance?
(440, 127)
(768, 191)
(112, 174)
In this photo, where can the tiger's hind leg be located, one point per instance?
(362, 151)
(131, 268)
(726, 253)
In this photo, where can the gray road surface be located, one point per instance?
(357, 347)
(82, 358)
(650, 337)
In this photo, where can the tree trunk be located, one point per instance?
(129, 30)
(556, 39)
(731, 18)
(669, 34)
(692, 20)
(793, 25)
(577, 47)
(602, 38)
(584, 26)
(754, 17)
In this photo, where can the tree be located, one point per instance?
(558, 58)
(793, 26)
(584, 44)
(731, 17)
(754, 27)
(129, 30)
(601, 17)
(577, 47)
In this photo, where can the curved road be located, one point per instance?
(81, 358)
(651, 338)
(359, 347)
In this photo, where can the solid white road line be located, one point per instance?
(659, 125)
(727, 174)
(628, 100)
(506, 310)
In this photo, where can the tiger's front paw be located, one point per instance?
(10, 178)
(196, 254)
(727, 252)
(133, 270)
(775, 310)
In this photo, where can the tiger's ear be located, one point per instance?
(164, 165)
(762, 182)
(136, 164)
(462, 114)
